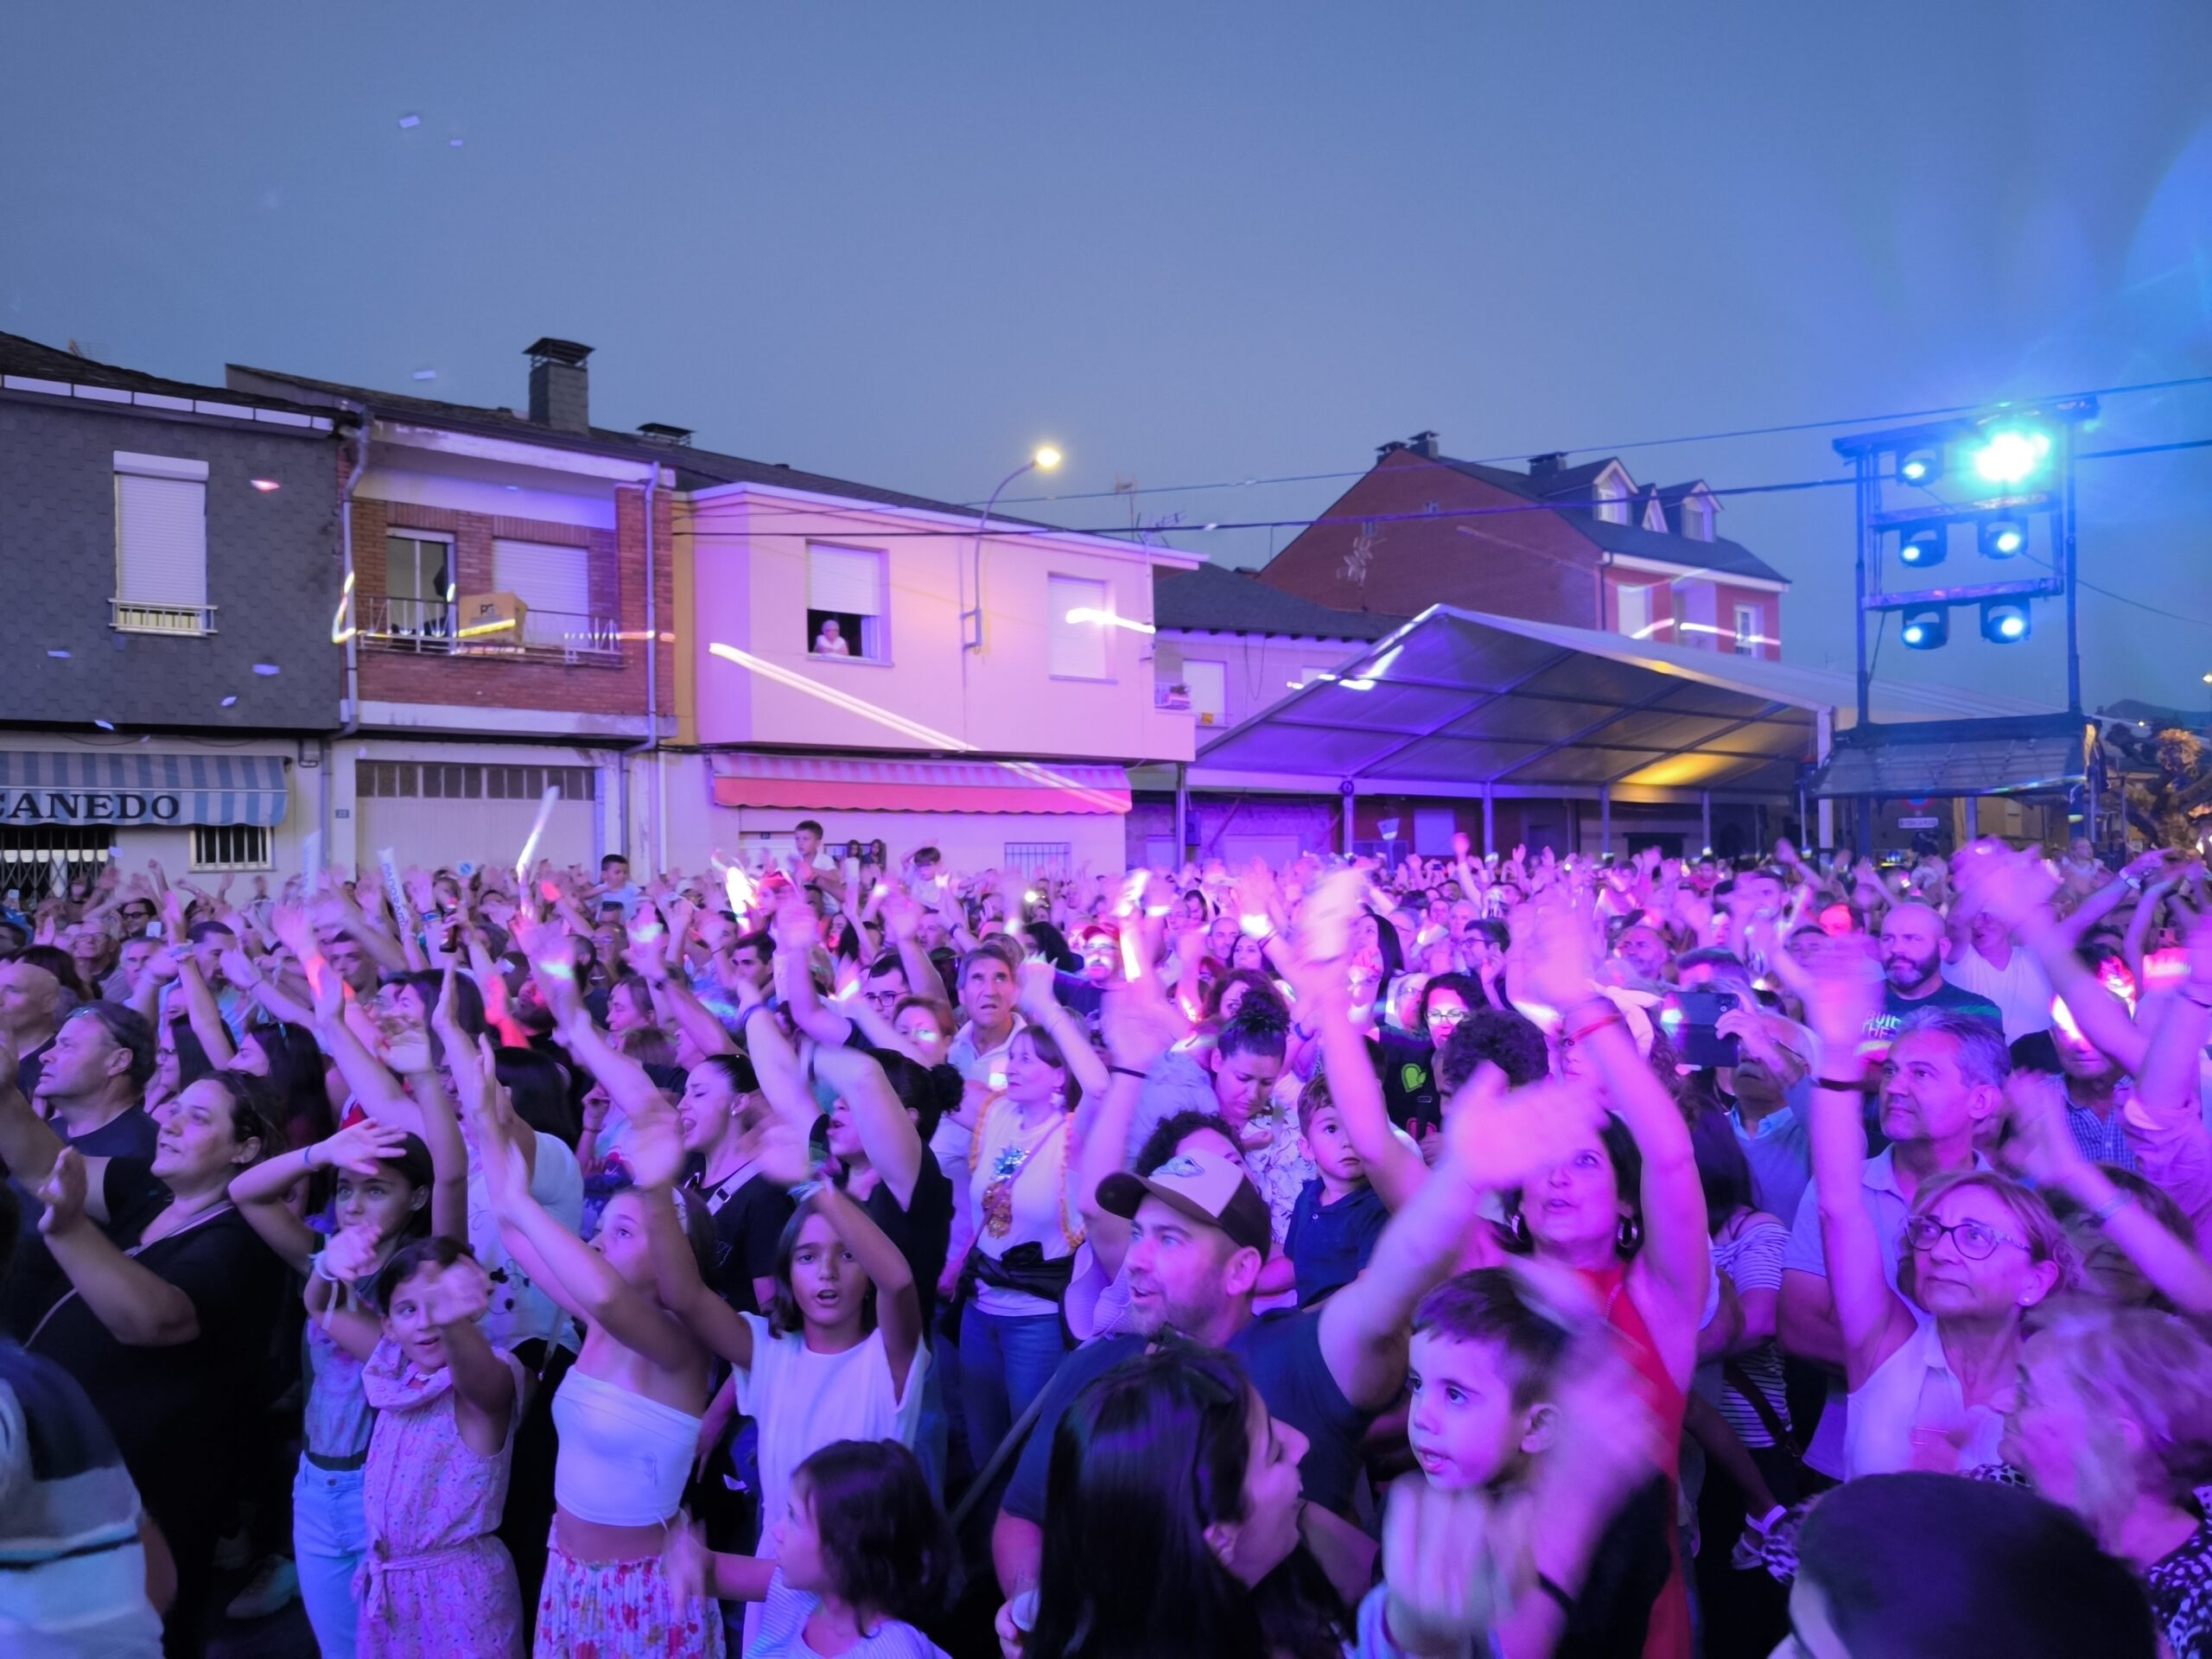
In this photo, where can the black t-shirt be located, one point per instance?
(1952, 999)
(1627, 1572)
(1407, 1066)
(1281, 1351)
(180, 1412)
(36, 1281)
(748, 1220)
(923, 1231)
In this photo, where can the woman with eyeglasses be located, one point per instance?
(1932, 1365)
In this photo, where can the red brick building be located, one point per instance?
(1584, 545)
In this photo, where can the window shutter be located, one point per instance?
(1636, 612)
(161, 539)
(846, 580)
(1076, 650)
(552, 578)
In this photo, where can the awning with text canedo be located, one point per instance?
(825, 783)
(134, 788)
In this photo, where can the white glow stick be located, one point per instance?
(388, 861)
(739, 888)
(310, 854)
(536, 832)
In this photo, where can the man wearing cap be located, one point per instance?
(1199, 1236)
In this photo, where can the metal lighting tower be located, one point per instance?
(1995, 487)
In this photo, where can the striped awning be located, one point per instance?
(130, 787)
(823, 783)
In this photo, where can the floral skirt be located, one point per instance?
(619, 1610)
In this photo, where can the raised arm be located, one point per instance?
(893, 1145)
(1047, 1012)
(454, 1299)
(139, 1306)
(205, 1019)
(897, 1304)
(902, 919)
(1393, 1168)
(260, 1193)
(2016, 888)
(374, 1085)
(28, 1146)
(1139, 1030)
(1552, 961)
(1840, 999)
(2043, 1150)
(580, 1278)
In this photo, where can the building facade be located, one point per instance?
(169, 683)
(1583, 545)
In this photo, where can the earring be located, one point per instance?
(1627, 1237)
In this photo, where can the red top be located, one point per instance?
(1669, 1635)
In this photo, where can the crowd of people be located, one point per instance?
(1474, 1255)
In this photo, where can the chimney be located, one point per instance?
(560, 386)
(1385, 451)
(1423, 444)
(1545, 465)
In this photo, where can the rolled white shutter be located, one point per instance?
(552, 578)
(161, 539)
(846, 580)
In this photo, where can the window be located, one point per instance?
(552, 580)
(41, 858)
(1077, 650)
(441, 780)
(1636, 612)
(1655, 516)
(161, 545)
(1209, 683)
(1612, 499)
(232, 846)
(1034, 859)
(1747, 631)
(418, 584)
(844, 602)
(1699, 519)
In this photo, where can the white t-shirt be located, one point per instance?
(1017, 1194)
(2020, 988)
(804, 1401)
(782, 1632)
(520, 1310)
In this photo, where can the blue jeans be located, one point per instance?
(330, 1534)
(1005, 1363)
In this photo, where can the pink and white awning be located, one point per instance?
(825, 783)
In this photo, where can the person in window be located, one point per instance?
(832, 642)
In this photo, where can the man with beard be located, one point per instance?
(1914, 944)
(1199, 1234)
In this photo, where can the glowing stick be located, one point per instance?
(536, 831)
(738, 885)
(388, 861)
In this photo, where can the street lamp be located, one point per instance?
(1045, 460)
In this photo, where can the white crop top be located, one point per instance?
(623, 1459)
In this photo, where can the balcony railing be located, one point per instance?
(128, 616)
(433, 628)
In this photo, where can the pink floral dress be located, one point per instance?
(435, 1581)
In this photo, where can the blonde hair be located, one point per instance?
(2151, 1369)
(2047, 1241)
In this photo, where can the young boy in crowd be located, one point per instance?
(1338, 1215)
(1488, 1366)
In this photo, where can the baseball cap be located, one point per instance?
(1204, 1186)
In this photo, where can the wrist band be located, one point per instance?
(318, 1271)
(2112, 1206)
(1127, 1071)
(1582, 1032)
(1845, 1085)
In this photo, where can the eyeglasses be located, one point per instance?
(1974, 1239)
(880, 999)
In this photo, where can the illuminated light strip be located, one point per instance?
(340, 629)
(926, 735)
(1085, 613)
(477, 630)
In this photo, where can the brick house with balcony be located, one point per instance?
(503, 633)
(534, 602)
(1584, 545)
(168, 682)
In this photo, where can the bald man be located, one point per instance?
(30, 1012)
(1915, 941)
